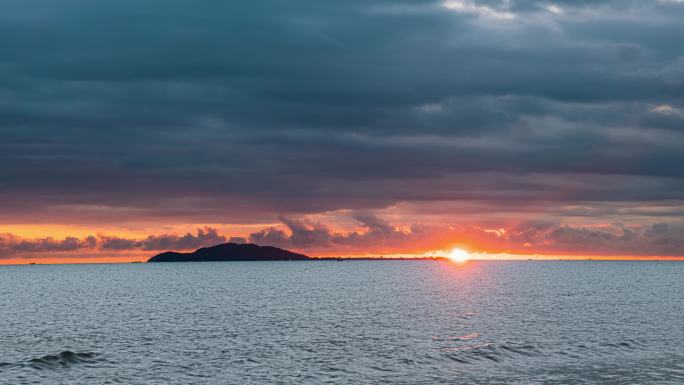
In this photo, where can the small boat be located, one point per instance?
(339, 259)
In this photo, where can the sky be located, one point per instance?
(350, 127)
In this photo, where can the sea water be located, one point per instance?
(351, 322)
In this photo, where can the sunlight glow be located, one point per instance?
(459, 255)
(470, 7)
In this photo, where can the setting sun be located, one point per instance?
(459, 255)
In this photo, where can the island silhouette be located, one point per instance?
(231, 252)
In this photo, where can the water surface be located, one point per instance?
(316, 322)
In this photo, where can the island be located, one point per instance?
(231, 252)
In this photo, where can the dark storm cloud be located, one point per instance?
(153, 109)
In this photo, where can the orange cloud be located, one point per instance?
(373, 236)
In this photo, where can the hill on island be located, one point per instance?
(231, 252)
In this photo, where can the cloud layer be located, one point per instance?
(377, 236)
(240, 112)
(12, 245)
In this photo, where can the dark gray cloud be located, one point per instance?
(242, 111)
(205, 237)
(12, 245)
(378, 236)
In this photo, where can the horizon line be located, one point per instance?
(513, 258)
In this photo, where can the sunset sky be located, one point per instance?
(507, 128)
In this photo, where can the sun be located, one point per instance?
(459, 255)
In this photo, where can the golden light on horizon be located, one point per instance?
(459, 255)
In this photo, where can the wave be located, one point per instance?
(464, 337)
(499, 352)
(488, 351)
(624, 344)
(61, 360)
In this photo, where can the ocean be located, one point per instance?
(351, 322)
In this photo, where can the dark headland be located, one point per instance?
(231, 252)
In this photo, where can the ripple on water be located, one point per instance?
(61, 360)
(357, 322)
(488, 351)
(464, 337)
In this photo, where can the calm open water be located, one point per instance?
(413, 322)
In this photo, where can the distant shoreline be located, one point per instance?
(361, 259)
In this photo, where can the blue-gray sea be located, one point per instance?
(351, 322)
